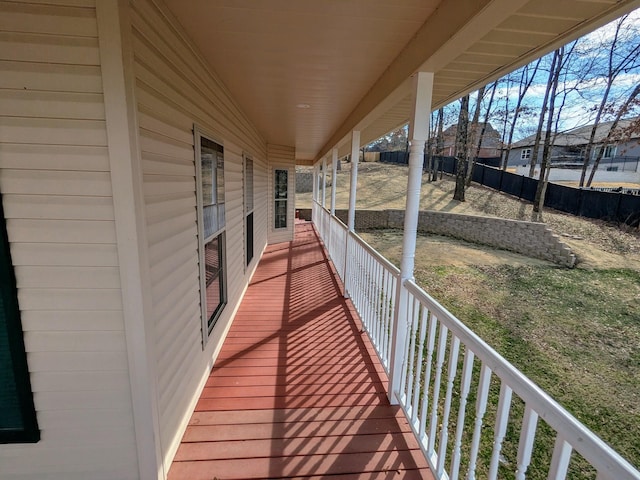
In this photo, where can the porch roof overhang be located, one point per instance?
(308, 73)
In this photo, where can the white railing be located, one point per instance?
(444, 361)
(370, 279)
(372, 284)
(474, 414)
(338, 245)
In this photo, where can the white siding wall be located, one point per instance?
(174, 90)
(282, 157)
(55, 181)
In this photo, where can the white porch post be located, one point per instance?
(313, 183)
(351, 219)
(314, 195)
(324, 182)
(334, 173)
(418, 134)
(355, 156)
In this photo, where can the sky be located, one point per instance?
(584, 94)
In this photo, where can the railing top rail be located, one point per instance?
(606, 460)
(379, 258)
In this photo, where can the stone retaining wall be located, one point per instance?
(304, 182)
(527, 238)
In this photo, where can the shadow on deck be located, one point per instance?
(297, 390)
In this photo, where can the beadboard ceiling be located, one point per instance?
(308, 72)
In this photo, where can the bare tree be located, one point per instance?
(527, 74)
(541, 118)
(434, 144)
(483, 130)
(552, 87)
(461, 148)
(623, 53)
(472, 134)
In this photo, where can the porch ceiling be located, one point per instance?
(350, 61)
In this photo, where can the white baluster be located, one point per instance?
(382, 332)
(424, 411)
(424, 320)
(442, 343)
(408, 357)
(413, 311)
(367, 289)
(384, 324)
(393, 293)
(373, 288)
(481, 408)
(375, 330)
(560, 459)
(444, 432)
(465, 384)
(359, 280)
(527, 438)
(502, 420)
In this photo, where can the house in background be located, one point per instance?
(620, 160)
(491, 146)
(147, 157)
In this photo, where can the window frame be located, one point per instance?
(525, 154)
(248, 208)
(30, 432)
(208, 322)
(285, 200)
(610, 151)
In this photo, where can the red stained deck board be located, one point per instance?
(254, 403)
(283, 390)
(377, 442)
(291, 430)
(297, 390)
(297, 415)
(300, 371)
(309, 464)
(293, 381)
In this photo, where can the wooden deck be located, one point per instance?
(297, 391)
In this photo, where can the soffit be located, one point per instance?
(276, 54)
(351, 60)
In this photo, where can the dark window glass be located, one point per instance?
(281, 184)
(248, 195)
(249, 237)
(215, 278)
(17, 413)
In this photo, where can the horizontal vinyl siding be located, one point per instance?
(279, 157)
(175, 90)
(55, 181)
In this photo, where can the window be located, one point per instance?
(248, 209)
(609, 151)
(211, 230)
(525, 154)
(18, 422)
(281, 184)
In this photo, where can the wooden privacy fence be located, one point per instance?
(611, 206)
